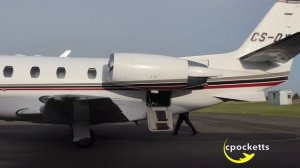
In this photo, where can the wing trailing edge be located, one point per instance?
(245, 96)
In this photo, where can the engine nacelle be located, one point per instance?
(156, 72)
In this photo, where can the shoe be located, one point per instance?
(174, 134)
(194, 133)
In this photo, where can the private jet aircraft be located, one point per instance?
(129, 87)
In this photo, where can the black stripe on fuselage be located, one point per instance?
(249, 81)
(112, 86)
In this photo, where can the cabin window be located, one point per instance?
(8, 71)
(35, 72)
(61, 72)
(92, 73)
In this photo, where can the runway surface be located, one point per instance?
(128, 145)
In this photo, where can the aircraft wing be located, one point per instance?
(281, 51)
(61, 108)
(245, 96)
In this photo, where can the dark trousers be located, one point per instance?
(181, 118)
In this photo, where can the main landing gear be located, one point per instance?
(82, 139)
(82, 135)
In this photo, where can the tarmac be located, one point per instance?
(127, 145)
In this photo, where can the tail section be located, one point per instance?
(271, 47)
(281, 21)
(265, 58)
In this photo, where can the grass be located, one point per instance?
(260, 108)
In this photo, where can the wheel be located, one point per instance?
(87, 142)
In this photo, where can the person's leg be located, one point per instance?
(178, 124)
(188, 122)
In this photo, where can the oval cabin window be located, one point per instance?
(8, 71)
(61, 72)
(35, 72)
(92, 73)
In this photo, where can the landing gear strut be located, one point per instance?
(82, 135)
(86, 142)
(80, 140)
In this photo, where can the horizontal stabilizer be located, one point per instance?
(245, 96)
(280, 52)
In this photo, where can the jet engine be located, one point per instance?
(157, 72)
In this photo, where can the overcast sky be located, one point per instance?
(97, 28)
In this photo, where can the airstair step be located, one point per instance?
(162, 126)
(159, 119)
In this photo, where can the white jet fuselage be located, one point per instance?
(129, 87)
(21, 90)
(122, 83)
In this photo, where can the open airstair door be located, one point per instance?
(159, 116)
